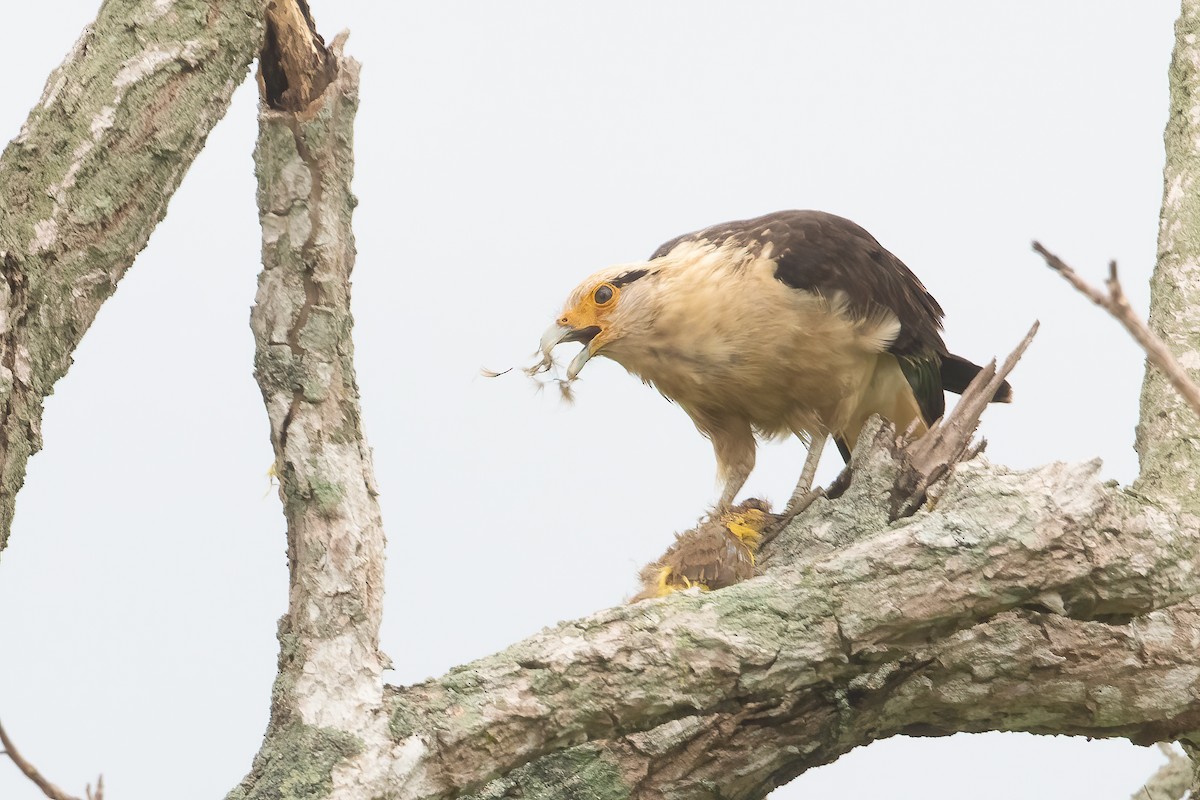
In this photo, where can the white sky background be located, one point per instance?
(504, 151)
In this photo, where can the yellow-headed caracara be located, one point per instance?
(797, 322)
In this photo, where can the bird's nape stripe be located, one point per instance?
(626, 278)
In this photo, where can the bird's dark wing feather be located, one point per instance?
(823, 253)
(958, 372)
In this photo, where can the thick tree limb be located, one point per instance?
(782, 648)
(1022, 670)
(89, 177)
(327, 704)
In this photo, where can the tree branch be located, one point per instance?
(47, 788)
(1116, 304)
(1022, 670)
(783, 647)
(329, 693)
(89, 177)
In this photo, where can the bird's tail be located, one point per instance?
(957, 372)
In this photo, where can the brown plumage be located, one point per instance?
(718, 552)
(797, 322)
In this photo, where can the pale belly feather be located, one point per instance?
(748, 349)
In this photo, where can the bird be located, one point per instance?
(716, 553)
(793, 323)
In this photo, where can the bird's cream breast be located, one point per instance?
(728, 339)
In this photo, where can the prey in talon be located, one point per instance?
(794, 323)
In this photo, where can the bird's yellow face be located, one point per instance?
(588, 317)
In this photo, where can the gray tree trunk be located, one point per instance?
(1042, 601)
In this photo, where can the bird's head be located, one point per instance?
(600, 312)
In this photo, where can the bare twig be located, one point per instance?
(1116, 304)
(30, 771)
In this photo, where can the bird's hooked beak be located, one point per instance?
(558, 333)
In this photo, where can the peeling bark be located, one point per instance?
(88, 178)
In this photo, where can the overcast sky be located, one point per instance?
(504, 151)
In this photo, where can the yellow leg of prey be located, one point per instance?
(804, 485)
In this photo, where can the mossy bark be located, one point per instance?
(1042, 601)
(1168, 435)
(90, 176)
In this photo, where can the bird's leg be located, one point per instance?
(734, 448)
(733, 485)
(804, 485)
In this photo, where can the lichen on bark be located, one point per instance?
(327, 701)
(1168, 432)
(90, 176)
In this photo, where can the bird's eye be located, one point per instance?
(603, 294)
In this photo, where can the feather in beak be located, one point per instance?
(556, 335)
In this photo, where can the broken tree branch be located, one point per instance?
(948, 441)
(327, 705)
(295, 66)
(1117, 304)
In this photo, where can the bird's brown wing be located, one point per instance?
(824, 253)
